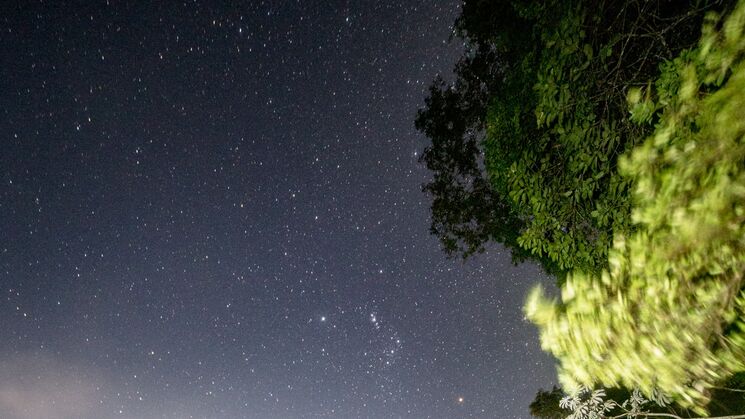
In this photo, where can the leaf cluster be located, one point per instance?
(555, 133)
(669, 312)
(525, 141)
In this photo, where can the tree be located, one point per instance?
(727, 400)
(525, 141)
(669, 313)
(729, 397)
(465, 211)
(546, 405)
(593, 404)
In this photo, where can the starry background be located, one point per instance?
(214, 210)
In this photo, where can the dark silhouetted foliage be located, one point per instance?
(525, 140)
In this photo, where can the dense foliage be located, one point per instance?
(597, 404)
(533, 146)
(726, 400)
(525, 141)
(546, 405)
(669, 311)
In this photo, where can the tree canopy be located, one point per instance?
(525, 141)
(597, 404)
(605, 141)
(546, 405)
(668, 313)
(727, 399)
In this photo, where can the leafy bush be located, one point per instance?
(668, 312)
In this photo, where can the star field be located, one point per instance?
(214, 210)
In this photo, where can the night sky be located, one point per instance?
(214, 210)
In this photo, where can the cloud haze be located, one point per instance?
(39, 387)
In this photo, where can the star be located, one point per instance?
(257, 182)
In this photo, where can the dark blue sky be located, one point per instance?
(214, 210)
